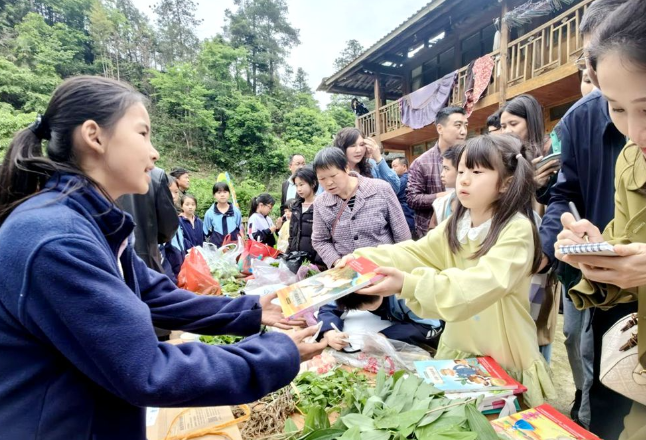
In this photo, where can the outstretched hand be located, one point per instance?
(272, 314)
(391, 284)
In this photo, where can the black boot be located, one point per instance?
(574, 413)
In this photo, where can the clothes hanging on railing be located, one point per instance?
(478, 78)
(420, 108)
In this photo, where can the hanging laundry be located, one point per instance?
(478, 78)
(420, 108)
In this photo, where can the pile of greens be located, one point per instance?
(220, 339)
(231, 286)
(327, 390)
(397, 408)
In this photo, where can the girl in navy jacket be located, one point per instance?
(80, 358)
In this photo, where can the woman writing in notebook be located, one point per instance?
(617, 64)
(473, 271)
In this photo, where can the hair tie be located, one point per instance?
(39, 128)
(519, 156)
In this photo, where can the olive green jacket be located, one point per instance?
(628, 226)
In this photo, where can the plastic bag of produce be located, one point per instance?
(270, 271)
(222, 261)
(195, 275)
(378, 352)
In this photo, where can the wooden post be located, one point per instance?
(377, 106)
(504, 49)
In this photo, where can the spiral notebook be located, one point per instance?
(599, 249)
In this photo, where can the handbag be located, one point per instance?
(620, 367)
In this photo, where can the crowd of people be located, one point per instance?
(467, 238)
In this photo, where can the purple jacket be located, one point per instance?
(377, 218)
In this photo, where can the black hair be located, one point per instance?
(355, 301)
(330, 157)
(187, 196)
(221, 186)
(264, 198)
(25, 169)
(402, 160)
(346, 138)
(291, 157)
(500, 153)
(453, 154)
(596, 13)
(623, 33)
(528, 108)
(446, 112)
(171, 181)
(178, 172)
(494, 120)
(307, 175)
(290, 203)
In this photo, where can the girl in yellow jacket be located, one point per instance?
(473, 271)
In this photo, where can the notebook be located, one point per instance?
(599, 249)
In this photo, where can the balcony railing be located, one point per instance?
(552, 45)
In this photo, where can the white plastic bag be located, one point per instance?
(222, 261)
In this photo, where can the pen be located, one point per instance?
(337, 329)
(577, 217)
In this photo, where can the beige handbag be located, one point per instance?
(620, 367)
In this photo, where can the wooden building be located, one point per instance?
(446, 35)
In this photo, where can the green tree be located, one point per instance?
(176, 24)
(23, 89)
(351, 51)
(261, 26)
(300, 84)
(11, 122)
(181, 96)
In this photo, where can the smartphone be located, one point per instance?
(548, 158)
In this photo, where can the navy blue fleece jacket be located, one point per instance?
(80, 358)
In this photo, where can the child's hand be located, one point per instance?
(279, 222)
(392, 283)
(574, 233)
(336, 339)
(345, 260)
(273, 229)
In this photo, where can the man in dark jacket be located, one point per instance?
(155, 217)
(400, 166)
(156, 221)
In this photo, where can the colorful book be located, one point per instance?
(540, 423)
(466, 375)
(308, 295)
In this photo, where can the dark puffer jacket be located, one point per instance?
(300, 232)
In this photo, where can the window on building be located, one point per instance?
(478, 44)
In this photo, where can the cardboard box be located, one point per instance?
(159, 420)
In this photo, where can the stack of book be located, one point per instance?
(540, 423)
(473, 377)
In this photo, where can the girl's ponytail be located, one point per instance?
(254, 206)
(25, 170)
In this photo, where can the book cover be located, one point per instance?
(466, 375)
(492, 401)
(310, 294)
(540, 423)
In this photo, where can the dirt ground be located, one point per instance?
(562, 373)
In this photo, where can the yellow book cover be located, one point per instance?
(310, 294)
(540, 423)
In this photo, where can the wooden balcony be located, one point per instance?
(540, 62)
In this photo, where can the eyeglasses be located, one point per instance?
(580, 62)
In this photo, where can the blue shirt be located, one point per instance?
(80, 359)
(401, 196)
(590, 145)
(382, 171)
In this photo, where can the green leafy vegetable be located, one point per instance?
(220, 339)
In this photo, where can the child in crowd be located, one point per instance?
(474, 270)
(444, 206)
(261, 226)
(192, 226)
(222, 219)
(173, 252)
(300, 233)
(283, 235)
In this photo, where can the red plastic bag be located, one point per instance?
(255, 250)
(196, 276)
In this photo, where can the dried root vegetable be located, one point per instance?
(268, 415)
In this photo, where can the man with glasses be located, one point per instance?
(590, 145)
